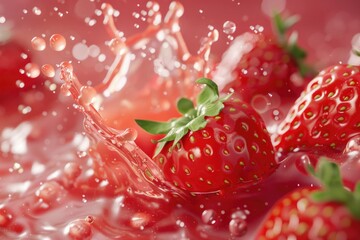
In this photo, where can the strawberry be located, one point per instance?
(328, 212)
(221, 143)
(259, 64)
(325, 116)
(11, 61)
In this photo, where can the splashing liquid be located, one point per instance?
(101, 184)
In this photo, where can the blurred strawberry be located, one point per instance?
(13, 58)
(258, 64)
(329, 212)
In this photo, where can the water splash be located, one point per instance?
(170, 65)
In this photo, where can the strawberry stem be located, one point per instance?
(333, 189)
(281, 27)
(208, 103)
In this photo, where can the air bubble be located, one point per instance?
(57, 42)
(79, 229)
(32, 70)
(38, 43)
(208, 216)
(48, 70)
(229, 27)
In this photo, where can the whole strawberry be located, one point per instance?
(330, 212)
(326, 115)
(219, 144)
(260, 64)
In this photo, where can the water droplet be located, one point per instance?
(24, 109)
(48, 70)
(87, 95)
(20, 84)
(80, 51)
(36, 11)
(79, 229)
(72, 170)
(353, 145)
(117, 46)
(65, 89)
(129, 134)
(57, 42)
(139, 220)
(5, 217)
(32, 70)
(107, 9)
(277, 114)
(238, 225)
(260, 103)
(49, 191)
(90, 219)
(229, 27)
(38, 43)
(208, 216)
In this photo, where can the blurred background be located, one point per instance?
(327, 29)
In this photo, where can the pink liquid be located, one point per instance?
(71, 167)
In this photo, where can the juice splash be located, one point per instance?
(82, 175)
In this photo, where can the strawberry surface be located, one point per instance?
(232, 150)
(325, 116)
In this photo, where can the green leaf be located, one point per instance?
(180, 133)
(333, 189)
(211, 110)
(208, 104)
(159, 147)
(210, 92)
(185, 106)
(197, 123)
(154, 127)
(281, 26)
(329, 174)
(356, 52)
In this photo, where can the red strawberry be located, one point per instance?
(330, 212)
(260, 64)
(221, 143)
(325, 116)
(11, 62)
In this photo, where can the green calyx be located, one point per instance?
(208, 104)
(281, 26)
(356, 52)
(333, 189)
